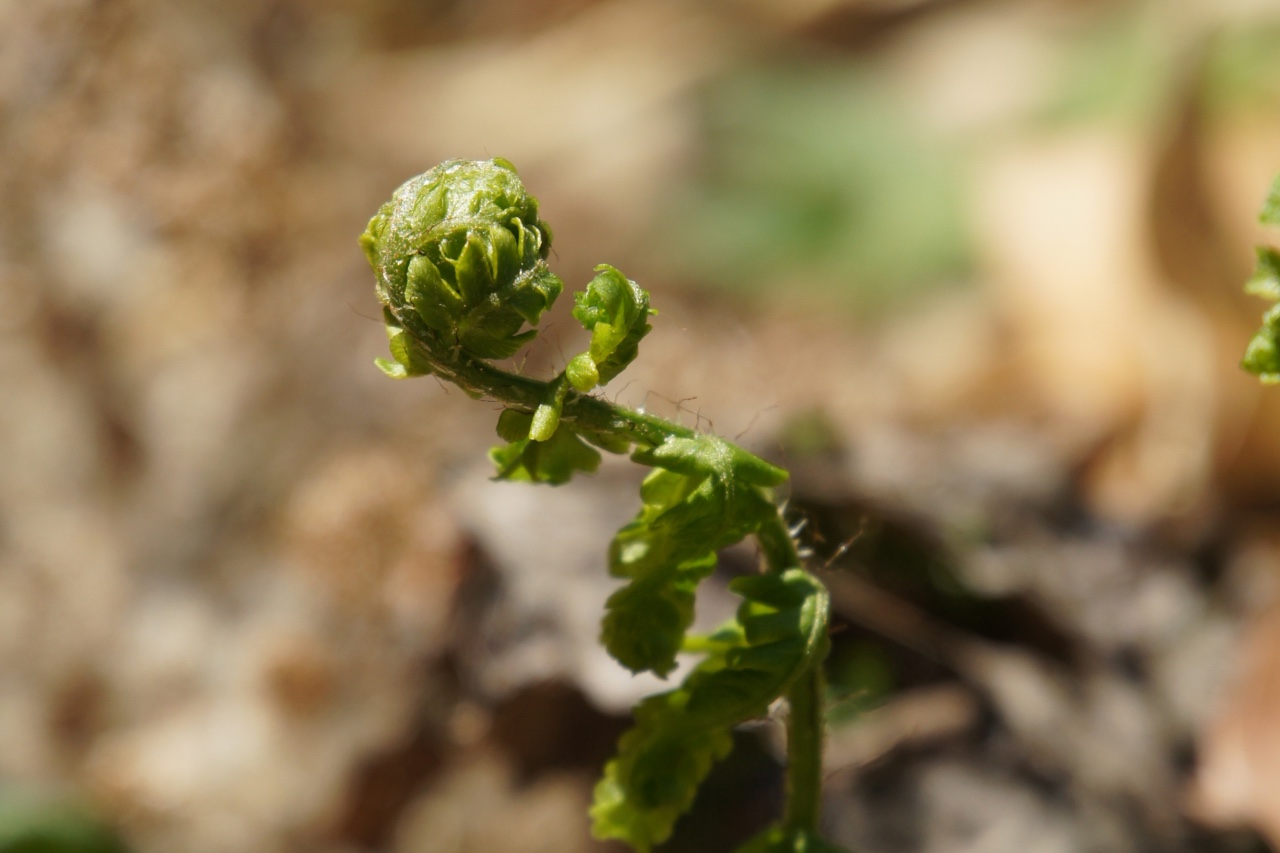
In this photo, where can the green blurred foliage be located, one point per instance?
(1242, 68)
(36, 825)
(1116, 68)
(815, 175)
(860, 677)
(1126, 65)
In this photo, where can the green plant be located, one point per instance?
(1263, 353)
(36, 823)
(460, 257)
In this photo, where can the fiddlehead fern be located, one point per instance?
(460, 258)
(1263, 354)
(463, 248)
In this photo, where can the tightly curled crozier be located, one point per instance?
(460, 257)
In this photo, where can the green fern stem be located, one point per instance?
(482, 380)
(805, 722)
(805, 726)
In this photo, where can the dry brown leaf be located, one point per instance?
(1238, 781)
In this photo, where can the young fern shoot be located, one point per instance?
(460, 258)
(1263, 354)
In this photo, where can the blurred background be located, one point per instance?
(971, 268)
